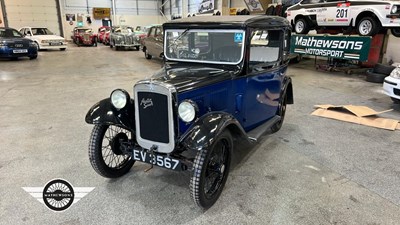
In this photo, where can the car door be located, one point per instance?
(333, 13)
(149, 41)
(159, 43)
(264, 78)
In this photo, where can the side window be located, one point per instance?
(312, 1)
(265, 49)
(152, 32)
(159, 32)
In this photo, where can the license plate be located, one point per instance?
(158, 160)
(55, 43)
(20, 51)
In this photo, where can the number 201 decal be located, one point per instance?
(341, 13)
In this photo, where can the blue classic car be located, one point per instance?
(223, 80)
(14, 45)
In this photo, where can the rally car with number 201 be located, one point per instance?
(223, 80)
(368, 17)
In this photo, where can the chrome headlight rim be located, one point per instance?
(394, 9)
(187, 110)
(119, 98)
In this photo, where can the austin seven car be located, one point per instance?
(223, 81)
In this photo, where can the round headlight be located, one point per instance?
(187, 111)
(119, 98)
(394, 9)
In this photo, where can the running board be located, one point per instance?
(257, 132)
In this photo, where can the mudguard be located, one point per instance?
(203, 132)
(104, 113)
(288, 89)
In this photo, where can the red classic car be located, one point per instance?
(84, 36)
(102, 33)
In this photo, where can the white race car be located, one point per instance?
(44, 38)
(368, 17)
(391, 85)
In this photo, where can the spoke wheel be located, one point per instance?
(211, 169)
(105, 152)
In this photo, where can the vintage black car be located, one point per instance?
(220, 82)
(13, 45)
(153, 42)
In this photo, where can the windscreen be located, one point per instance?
(9, 33)
(205, 46)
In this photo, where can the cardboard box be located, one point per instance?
(357, 114)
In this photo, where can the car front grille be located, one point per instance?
(396, 91)
(17, 45)
(154, 116)
(86, 37)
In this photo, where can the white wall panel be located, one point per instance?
(393, 49)
(32, 13)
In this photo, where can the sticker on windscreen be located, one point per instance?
(238, 37)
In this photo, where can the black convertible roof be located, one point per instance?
(261, 21)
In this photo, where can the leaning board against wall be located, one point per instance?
(22, 13)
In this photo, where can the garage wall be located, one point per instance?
(393, 49)
(128, 12)
(1, 17)
(32, 13)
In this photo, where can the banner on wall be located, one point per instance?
(254, 5)
(206, 6)
(340, 47)
(101, 13)
(70, 17)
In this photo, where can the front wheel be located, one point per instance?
(367, 26)
(105, 152)
(210, 171)
(395, 100)
(147, 55)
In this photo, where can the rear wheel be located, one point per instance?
(281, 112)
(301, 26)
(210, 171)
(105, 154)
(367, 26)
(62, 49)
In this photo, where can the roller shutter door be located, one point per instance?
(43, 13)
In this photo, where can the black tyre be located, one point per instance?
(105, 153)
(281, 112)
(147, 55)
(395, 100)
(383, 69)
(137, 48)
(395, 31)
(33, 57)
(367, 26)
(210, 171)
(375, 77)
(301, 26)
(95, 43)
(62, 49)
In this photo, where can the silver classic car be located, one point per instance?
(124, 37)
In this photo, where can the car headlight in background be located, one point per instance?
(119, 98)
(395, 73)
(33, 44)
(187, 110)
(394, 9)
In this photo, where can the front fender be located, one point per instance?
(104, 113)
(202, 133)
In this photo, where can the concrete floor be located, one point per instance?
(313, 171)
